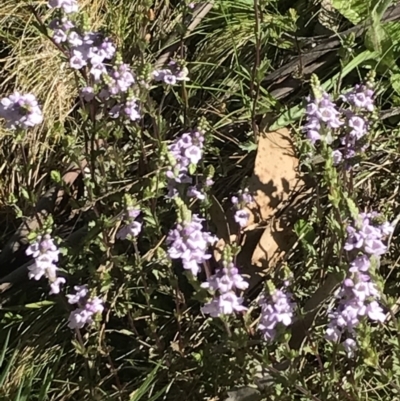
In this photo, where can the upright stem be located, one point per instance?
(254, 84)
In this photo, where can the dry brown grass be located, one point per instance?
(31, 63)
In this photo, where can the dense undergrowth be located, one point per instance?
(115, 169)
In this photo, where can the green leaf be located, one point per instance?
(5, 345)
(7, 368)
(353, 209)
(126, 332)
(378, 40)
(145, 387)
(288, 117)
(38, 305)
(392, 29)
(354, 10)
(32, 236)
(55, 176)
(380, 8)
(395, 82)
(150, 220)
(304, 229)
(192, 168)
(249, 146)
(24, 193)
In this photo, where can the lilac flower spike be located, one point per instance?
(367, 236)
(88, 93)
(188, 241)
(224, 284)
(45, 254)
(276, 309)
(61, 28)
(91, 49)
(133, 227)
(87, 308)
(194, 192)
(349, 346)
(171, 75)
(68, 6)
(56, 284)
(361, 97)
(129, 109)
(185, 150)
(356, 125)
(358, 296)
(322, 118)
(121, 79)
(242, 215)
(20, 111)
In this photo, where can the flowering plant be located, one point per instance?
(132, 269)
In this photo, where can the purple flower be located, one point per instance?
(188, 241)
(223, 284)
(20, 111)
(194, 192)
(185, 150)
(172, 74)
(194, 154)
(79, 318)
(42, 266)
(77, 60)
(97, 71)
(360, 264)
(45, 254)
(365, 236)
(349, 346)
(226, 279)
(357, 125)
(209, 182)
(74, 39)
(129, 109)
(55, 285)
(361, 97)
(91, 49)
(60, 28)
(242, 215)
(224, 304)
(375, 312)
(88, 93)
(132, 227)
(276, 309)
(87, 308)
(322, 118)
(81, 291)
(358, 296)
(120, 79)
(68, 6)
(337, 157)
